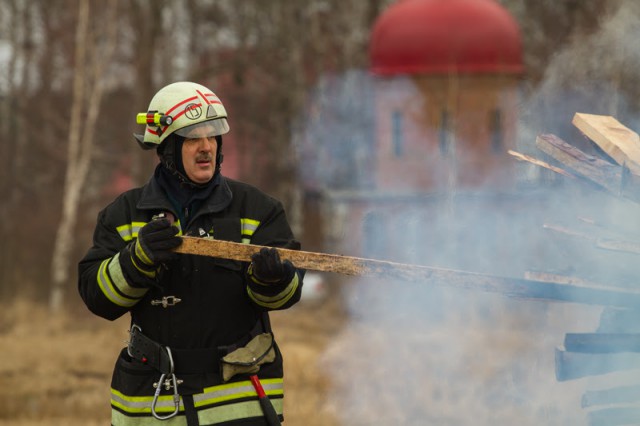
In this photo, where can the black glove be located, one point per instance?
(155, 243)
(267, 267)
(140, 260)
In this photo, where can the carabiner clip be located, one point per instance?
(171, 382)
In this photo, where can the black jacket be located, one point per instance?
(219, 305)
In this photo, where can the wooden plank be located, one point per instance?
(602, 343)
(614, 416)
(524, 157)
(549, 277)
(616, 320)
(614, 138)
(618, 245)
(610, 244)
(617, 395)
(614, 179)
(576, 365)
(405, 273)
(595, 169)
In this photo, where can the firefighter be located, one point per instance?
(201, 350)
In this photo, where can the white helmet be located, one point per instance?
(179, 108)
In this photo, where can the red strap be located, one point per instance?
(257, 386)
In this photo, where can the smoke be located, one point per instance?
(413, 353)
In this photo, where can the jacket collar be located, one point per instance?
(154, 198)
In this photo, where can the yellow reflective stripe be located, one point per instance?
(142, 255)
(239, 410)
(107, 287)
(215, 394)
(142, 404)
(129, 231)
(211, 415)
(117, 277)
(121, 419)
(236, 390)
(150, 274)
(277, 301)
(247, 228)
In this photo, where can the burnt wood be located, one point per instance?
(615, 179)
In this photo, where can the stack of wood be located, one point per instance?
(615, 345)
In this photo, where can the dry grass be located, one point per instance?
(56, 371)
(472, 367)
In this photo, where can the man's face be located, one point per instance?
(199, 154)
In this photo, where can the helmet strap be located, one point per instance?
(170, 153)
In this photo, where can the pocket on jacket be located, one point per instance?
(132, 377)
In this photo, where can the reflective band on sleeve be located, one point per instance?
(141, 254)
(247, 228)
(129, 231)
(144, 269)
(114, 286)
(277, 301)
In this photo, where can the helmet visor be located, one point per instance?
(205, 129)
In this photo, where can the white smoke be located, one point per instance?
(414, 354)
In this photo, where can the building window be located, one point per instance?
(374, 235)
(495, 129)
(396, 134)
(444, 133)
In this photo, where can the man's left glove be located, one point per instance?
(267, 267)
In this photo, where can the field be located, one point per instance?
(469, 365)
(56, 370)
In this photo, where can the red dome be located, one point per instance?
(445, 36)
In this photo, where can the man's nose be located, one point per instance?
(204, 144)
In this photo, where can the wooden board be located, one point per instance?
(524, 157)
(617, 395)
(615, 179)
(602, 343)
(575, 365)
(614, 416)
(614, 138)
(399, 273)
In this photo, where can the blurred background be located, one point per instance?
(383, 126)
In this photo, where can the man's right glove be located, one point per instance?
(154, 245)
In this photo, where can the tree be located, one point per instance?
(93, 49)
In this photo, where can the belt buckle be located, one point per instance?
(134, 328)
